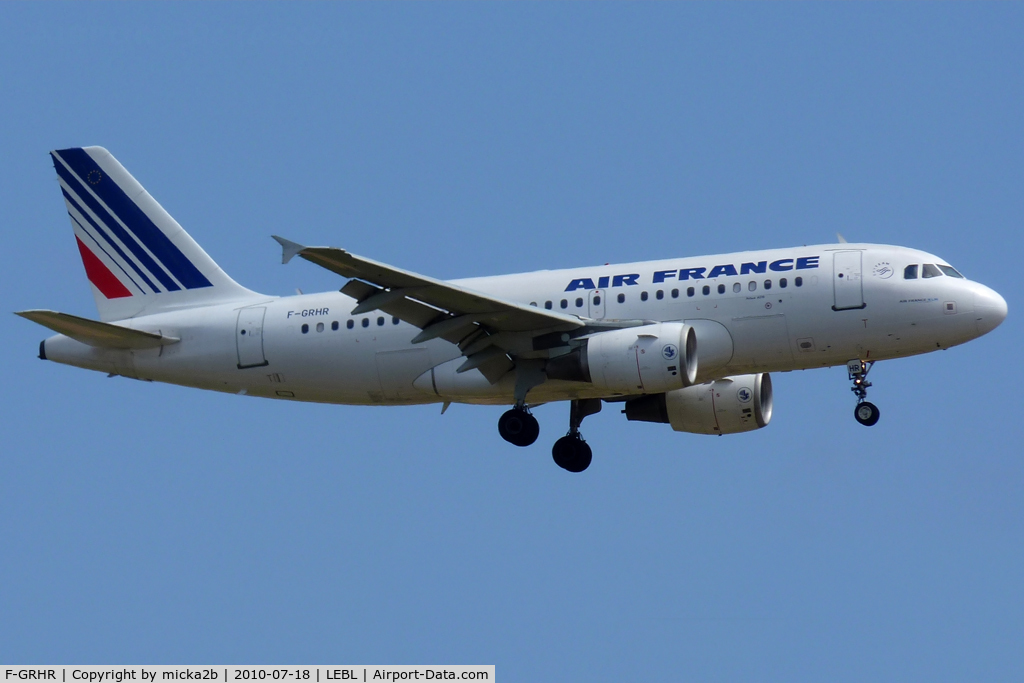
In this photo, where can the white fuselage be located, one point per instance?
(777, 310)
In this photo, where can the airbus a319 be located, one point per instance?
(689, 341)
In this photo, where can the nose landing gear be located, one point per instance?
(865, 412)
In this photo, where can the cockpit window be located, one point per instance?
(930, 270)
(950, 271)
(910, 272)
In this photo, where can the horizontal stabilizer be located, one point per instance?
(95, 333)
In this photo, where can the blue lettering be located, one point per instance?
(580, 283)
(619, 280)
(718, 271)
(692, 273)
(805, 262)
(660, 275)
(759, 267)
(602, 282)
(780, 264)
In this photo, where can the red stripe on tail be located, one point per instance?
(100, 275)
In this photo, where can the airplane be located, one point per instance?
(690, 342)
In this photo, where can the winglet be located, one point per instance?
(289, 249)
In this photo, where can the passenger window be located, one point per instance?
(394, 321)
(334, 326)
(752, 286)
(721, 289)
(621, 298)
(705, 290)
(659, 295)
(305, 328)
(579, 303)
(366, 322)
(380, 321)
(736, 286)
(597, 301)
(929, 270)
(767, 284)
(319, 327)
(350, 324)
(910, 272)
(565, 304)
(783, 282)
(951, 271)
(689, 291)
(798, 281)
(643, 296)
(675, 293)
(547, 305)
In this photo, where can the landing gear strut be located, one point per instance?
(571, 452)
(865, 412)
(518, 426)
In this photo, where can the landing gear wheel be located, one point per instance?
(866, 413)
(518, 427)
(572, 453)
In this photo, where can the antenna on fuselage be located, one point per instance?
(839, 236)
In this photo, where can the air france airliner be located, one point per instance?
(690, 342)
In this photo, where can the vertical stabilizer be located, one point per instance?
(137, 258)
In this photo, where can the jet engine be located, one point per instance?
(650, 359)
(725, 406)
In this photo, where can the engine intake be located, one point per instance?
(650, 359)
(726, 406)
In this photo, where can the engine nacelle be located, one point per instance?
(726, 406)
(650, 359)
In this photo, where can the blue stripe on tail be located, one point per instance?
(111, 223)
(105, 252)
(103, 233)
(136, 220)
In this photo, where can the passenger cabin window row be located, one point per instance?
(751, 286)
(930, 270)
(690, 291)
(349, 324)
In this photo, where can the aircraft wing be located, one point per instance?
(440, 309)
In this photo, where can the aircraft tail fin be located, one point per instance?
(136, 256)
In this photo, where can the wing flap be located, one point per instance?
(95, 333)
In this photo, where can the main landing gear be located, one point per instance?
(865, 412)
(571, 452)
(518, 426)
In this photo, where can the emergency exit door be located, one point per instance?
(249, 337)
(847, 281)
(597, 303)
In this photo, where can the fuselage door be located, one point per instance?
(597, 297)
(249, 337)
(847, 281)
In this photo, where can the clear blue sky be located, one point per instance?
(150, 523)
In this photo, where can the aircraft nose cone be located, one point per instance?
(989, 309)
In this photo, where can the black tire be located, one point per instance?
(572, 454)
(518, 427)
(866, 413)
